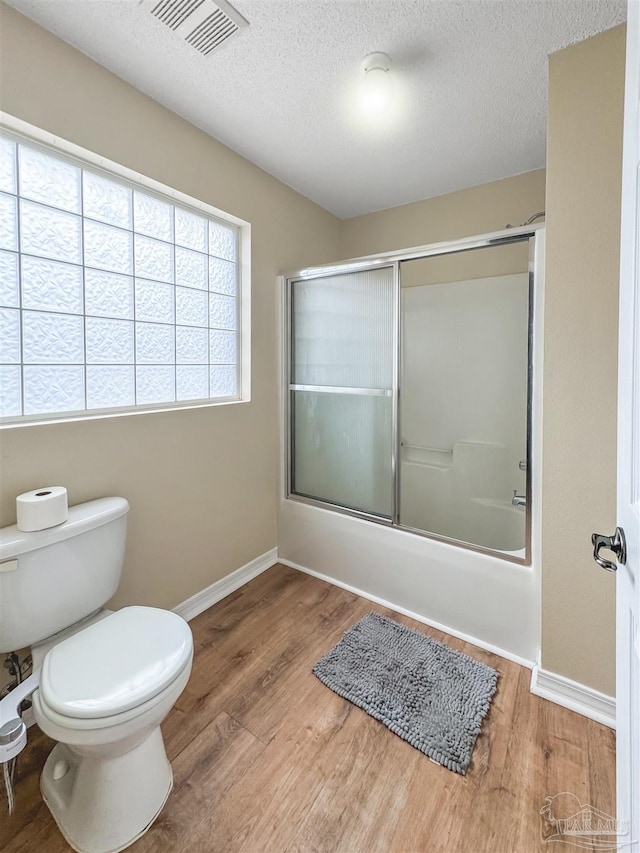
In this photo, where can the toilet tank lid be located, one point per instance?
(82, 517)
(117, 663)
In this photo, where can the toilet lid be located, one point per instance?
(116, 664)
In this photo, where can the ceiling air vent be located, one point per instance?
(204, 24)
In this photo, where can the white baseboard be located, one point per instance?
(548, 685)
(529, 664)
(573, 695)
(218, 590)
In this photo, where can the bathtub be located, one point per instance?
(480, 597)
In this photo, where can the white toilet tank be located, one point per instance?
(52, 578)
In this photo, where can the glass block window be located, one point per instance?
(111, 295)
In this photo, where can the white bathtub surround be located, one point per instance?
(577, 697)
(485, 599)
(464, 494)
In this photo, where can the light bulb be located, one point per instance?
(376, 89)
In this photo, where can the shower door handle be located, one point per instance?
(615, 543)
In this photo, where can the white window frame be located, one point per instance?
(82, 157)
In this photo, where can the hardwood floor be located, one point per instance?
(266, 758)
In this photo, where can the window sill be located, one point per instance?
(104, 414)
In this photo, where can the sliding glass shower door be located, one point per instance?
(465, 355)
(409, 381)
(341, 384)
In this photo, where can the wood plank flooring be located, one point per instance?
(266, 758)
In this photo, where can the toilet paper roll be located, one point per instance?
(41, 508)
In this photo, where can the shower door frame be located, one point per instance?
(394, 259)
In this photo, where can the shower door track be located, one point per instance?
(450, 247)
(393, 259)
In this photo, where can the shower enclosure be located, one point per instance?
(409, 390)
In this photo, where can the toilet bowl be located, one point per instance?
(106, 679)
(103, 693)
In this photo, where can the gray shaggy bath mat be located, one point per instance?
(430, 695)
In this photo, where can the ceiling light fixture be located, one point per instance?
(377, 87)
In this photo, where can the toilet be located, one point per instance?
(107, 679)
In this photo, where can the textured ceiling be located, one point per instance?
(470, 83)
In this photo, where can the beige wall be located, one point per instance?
(584, 147)
(580, 328)
(477, 210)
(202, 483)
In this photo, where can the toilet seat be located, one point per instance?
(85, 730)
(115, 667)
